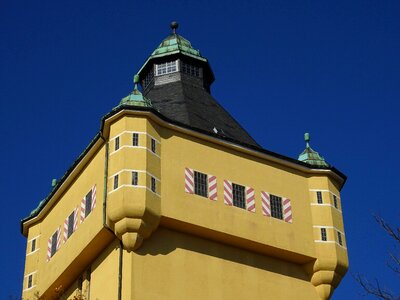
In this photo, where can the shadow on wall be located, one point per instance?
(165, 241)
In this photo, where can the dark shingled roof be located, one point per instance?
(192, 105)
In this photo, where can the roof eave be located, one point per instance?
(151, 57)
(226, 140)
(93, 146)
(98, 140)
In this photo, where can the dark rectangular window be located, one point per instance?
(135, 139)
(153, 145)
(335, 201)
(54, 238)
(134, 178)
(200, 184)
(323, 234)
(239, 199)
(148, 78)
(30, 281)
(71, 221)
(115, 182)
(116, 143)
(276, 207)
(319, 197)
(33, 245)
(339, 236)
(190, 69)
(88, 205)
(153, 184)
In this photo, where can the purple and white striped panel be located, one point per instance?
(49, 249)
(66, 229)
(287, 210)
(266, 204)
(93, 197)
(58, 238)
(189, 181)
(212, 187)
(83, 209)
(228, 192)
(250, 199)
(75, 218)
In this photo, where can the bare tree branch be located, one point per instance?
(394, 263)
(376, 289)
(394, 233)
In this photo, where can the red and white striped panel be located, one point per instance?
(49, 249)
(228, 192)
(49, 243)
(250, 199)
(93, 197)
(212, 187)
(58, 238)
(66, 229)
(287, 210)
(266, 204)
(189, 181)
(83, 209)
(75, 219)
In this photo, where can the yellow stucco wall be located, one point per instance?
(180, 245)
(181, 151)
(48, 271)
(105, 273)
(189, 267)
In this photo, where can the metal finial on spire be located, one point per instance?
(135, 81)
(307, 139)
(135, 98)
(174, 26)
(310, 156)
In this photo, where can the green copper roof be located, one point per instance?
(38, 208)
(310, 156)
(136, 98)
(176, 43)
(173, 44)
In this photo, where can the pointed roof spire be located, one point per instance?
(310, 156)
(136, 98)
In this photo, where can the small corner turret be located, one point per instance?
(135, 98)
(310, 156)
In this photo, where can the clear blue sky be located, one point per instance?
(282, 68)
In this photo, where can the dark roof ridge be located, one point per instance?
(223, 109)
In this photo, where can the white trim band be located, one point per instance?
(27, 275)
(330, 242)
(139, 147)
(131, 170)
(138, 132)
(34, 238)
(133, 186)
(325, 191)
(325, 204)
(329, 227)
(34, 251)
(27, 289)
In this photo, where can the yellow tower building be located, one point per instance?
(173, 199)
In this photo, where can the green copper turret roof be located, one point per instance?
(174, 44)
(310, 156)
(136, 98)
